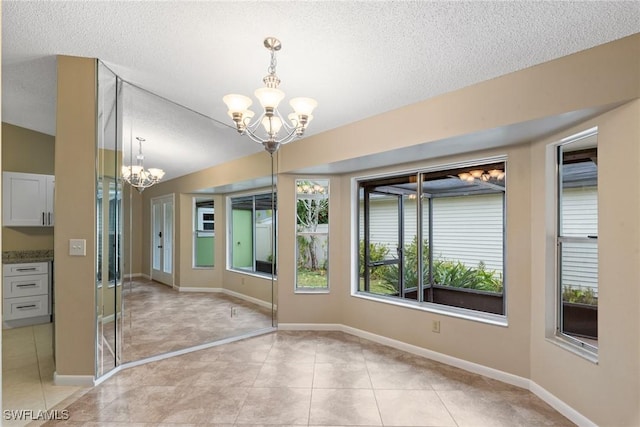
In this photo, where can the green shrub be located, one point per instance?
(377, 252)
(445, 272)
(458, 275)
(579, 295)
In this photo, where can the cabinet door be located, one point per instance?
(24, 199)
(28, 199)
(51, 187)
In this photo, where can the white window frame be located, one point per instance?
(553, 300)
(310, 290)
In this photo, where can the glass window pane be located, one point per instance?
(577, 286)
(312, 229)
(167, 241)
(204, 232)
(242, 233)
(252, 233)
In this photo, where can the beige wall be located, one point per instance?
(28, 151)
(25, 150)
(75, 312)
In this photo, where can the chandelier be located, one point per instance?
(137, 175)
(479, 174)
(275, 129)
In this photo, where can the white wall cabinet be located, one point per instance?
(27, 199)
(26, 293)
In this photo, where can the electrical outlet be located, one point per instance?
(435, 326)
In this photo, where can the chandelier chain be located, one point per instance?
(273, 64)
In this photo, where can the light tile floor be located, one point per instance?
(27, 371)
(305, 379)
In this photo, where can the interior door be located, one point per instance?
(162, 240)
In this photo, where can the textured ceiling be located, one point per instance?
(357, 59)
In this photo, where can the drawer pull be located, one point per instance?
(26, 285)
(27, 307)
(26, 269)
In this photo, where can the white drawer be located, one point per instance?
(23, 269)
(23, 307)
(24, 286)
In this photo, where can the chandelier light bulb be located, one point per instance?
(269, 97)
(237, 103)
(271, 125)
(303, 106)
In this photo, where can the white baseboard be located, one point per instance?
(197, 289)
(518, 381)
(73, 380)
(557, 404)
(247, 298)
(133, 275)
(244, 297)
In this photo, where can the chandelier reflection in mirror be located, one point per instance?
(275, 129)
(139, 177)
(479, 174)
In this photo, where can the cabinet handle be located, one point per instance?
(26, 285)
(43, 218)
(26, 269)
(26, 307)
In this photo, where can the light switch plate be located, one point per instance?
(77, 247)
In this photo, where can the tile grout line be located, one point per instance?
(315, 361)
(373, 389)
(35, 350)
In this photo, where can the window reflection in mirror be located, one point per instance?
(203, 232)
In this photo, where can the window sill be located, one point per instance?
(265, 276)
(574, 348)
(311, 291)
(460, 313)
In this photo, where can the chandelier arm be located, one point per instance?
(252, 125)
(290, 136)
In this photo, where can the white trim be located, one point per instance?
(197, 289)
(134, 275)
(256, 301)
(170, 354)
(73, 380)
(518, 381)
(419, 351)
(557, 404)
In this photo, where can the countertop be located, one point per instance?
(17, 257)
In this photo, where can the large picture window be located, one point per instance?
(435, 237)
(312, 235)
(252, 230)
(577, 241)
